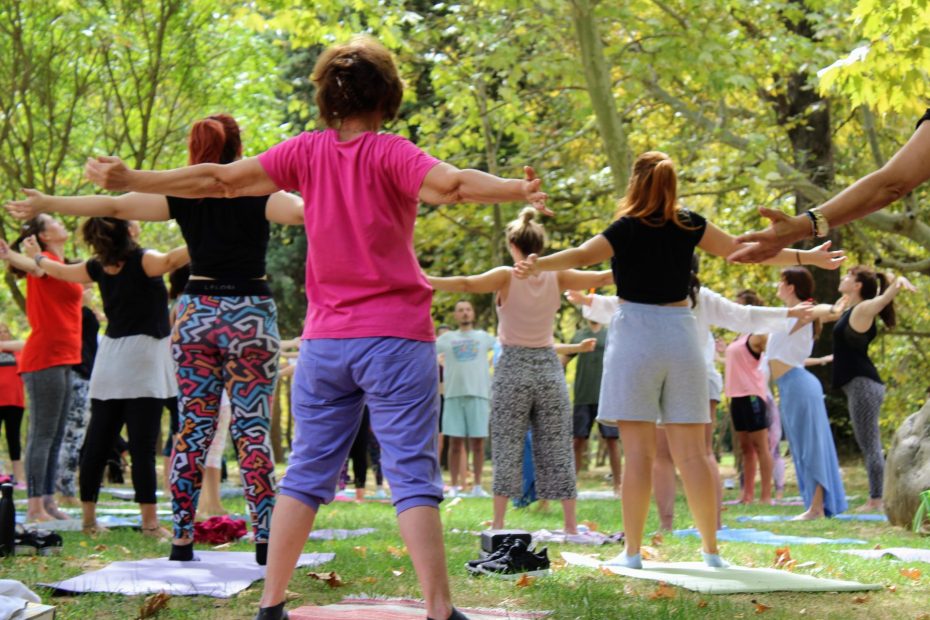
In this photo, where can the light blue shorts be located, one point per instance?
(465, 416)
(654, 369)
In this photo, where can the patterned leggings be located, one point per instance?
(231, 342)
(75, 427)
(529, 391)
(865, 397)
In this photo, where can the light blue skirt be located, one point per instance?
(804, 419)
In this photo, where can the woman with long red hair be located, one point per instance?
(654, 366)
(225, 333)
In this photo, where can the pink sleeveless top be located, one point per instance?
(743, 376)
(527, 317)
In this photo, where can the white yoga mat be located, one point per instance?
(220, 574)
(907, 554)
(698, 577)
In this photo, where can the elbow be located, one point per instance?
(893, 185)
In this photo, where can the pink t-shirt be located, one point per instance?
(360, 205)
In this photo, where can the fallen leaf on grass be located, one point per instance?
(332, 579)
(557, 564)
(125, 550)
(911, 573)
(663, 591)
(369, 580)
(858, 600)
(397, 572)
(761, 608)
(648, 553)
(153, 604)
(290, 596)
(657, 540)
(783, 558)
(397, 552)
(591, 525)
(100, 548)
(607, 571)
(226, 545)
(362, 551)
(702, 603)
(877, 547)
(525, 581)
(892, 588)
(455, 502)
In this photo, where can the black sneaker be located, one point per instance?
(36, 542)
(502, 549)
(518, 561)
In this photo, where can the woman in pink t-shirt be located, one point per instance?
(368, 336)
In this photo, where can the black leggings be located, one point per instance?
(359, 452)
(12, 417)
(142, 417)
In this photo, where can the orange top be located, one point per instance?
(53, 308)
(11, 386)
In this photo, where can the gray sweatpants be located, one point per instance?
(529, 392)
(49, 392)
(864, 397)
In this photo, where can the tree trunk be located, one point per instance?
(600, 90)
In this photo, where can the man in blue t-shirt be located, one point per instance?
(467, 390)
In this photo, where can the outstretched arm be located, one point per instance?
(721, 243)
(12, 345)
(575, 279)
(245, 177)
(131, 206)
(446, 184)
(155, 263)
(487, 282)
(76, 272)
(594, 250)
(866, 311)
(909, 167)
(19, 261)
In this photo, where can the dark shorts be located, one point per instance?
(583, 420)
(748, 413)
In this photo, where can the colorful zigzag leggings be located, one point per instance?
(231, 342)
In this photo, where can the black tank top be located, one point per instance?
(851, 352)
(135, 304)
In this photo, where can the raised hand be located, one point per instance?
(536, 198)
(764, 244)
(29, 207)
(526, 267)
(822, 257)
(903, 284)
(30, 246)
(108, 172)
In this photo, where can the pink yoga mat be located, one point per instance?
(393, 609)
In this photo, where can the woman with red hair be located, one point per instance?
(225, 334)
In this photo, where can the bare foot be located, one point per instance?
(618, 491)
(211, 511)
(56, 513)
(810, 515)
(780, 494)
(873, 505)
(38, 517)
(157, 532)
(93, 529)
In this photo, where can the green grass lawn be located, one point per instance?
(367, 565)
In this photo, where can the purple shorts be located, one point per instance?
(399, 381)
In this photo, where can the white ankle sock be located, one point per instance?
(714, 560)
(626, 561)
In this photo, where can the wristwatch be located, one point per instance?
(38, 259)
(820, 227)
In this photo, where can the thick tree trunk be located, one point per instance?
(600, 90)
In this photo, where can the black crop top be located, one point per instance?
(851, 352)
(652, 264)
(227, 237)
(135, 304)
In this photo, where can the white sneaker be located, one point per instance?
(477, 491)
(454, 492)
(380, 494)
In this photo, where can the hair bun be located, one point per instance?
(527, 214)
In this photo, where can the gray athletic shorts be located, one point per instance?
(654, 369)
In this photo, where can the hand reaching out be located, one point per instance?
(578, 298)
(588, 345)
(536, 198)
(31, 246)
(765, 244)
(107, 172)
(27, 208)
(526, 267)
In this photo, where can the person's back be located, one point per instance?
(360, 197)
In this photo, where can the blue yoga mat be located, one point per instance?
(750, 535)
(842, 517)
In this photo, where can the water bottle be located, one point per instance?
(7, 520)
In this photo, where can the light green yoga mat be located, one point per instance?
(733, 580)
